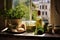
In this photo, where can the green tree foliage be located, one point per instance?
(34, 14)
(26, 11)
(18, 12)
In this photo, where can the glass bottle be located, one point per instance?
(39, 24)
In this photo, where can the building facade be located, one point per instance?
(44, 7)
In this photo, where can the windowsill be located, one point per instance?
(31, 34)
(28, 34)
(20, 34)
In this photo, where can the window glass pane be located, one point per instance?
(46, 12)
(24, 6)
(15, 3)
(42, 12)
(46, 7)
(42, 6)
(39, 13)
(35, 0)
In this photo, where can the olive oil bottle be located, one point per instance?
(39, 25)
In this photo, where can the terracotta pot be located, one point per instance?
(13, 23)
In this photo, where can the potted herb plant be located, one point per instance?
(15, 15)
